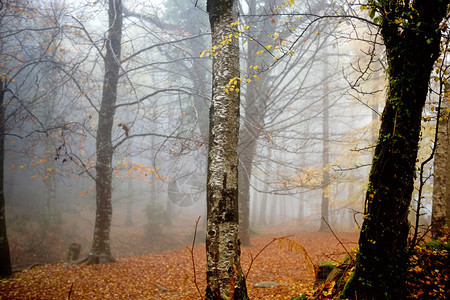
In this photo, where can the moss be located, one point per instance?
(324, 268)
(438, 245)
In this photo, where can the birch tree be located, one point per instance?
(225, 279)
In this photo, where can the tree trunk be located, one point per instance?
(255, 108)
(411, 50)
(245, 168)
(130, 198)
(100, 251)
(224, 276)
(441, 194)
(326, 188)
(263, 206)
(5, 260)
(247, 148)
(50, 209)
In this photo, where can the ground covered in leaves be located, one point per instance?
(170, 275)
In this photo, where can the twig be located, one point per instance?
(422, 181)
(191, 250)
(70, 291)
(338, 239)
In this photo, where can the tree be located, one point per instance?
(28, 53)
(5, 260)
(224, 276)
(100, 251)
(440, 217)
(269, 100)
(326, 187)
(411, 32)
(255, 108)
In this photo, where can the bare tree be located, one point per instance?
(29, 48)
(101, 252)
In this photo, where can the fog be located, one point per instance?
(314, 74)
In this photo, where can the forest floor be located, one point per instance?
(170, 274)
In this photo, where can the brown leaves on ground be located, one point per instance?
(429, 271)
(169, 275)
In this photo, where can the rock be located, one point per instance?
(162, 288)
(335, 274)
(323, 269)
(266, 284)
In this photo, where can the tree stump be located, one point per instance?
(74, 252)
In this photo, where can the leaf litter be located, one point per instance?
(169, 275)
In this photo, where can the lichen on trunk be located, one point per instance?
(225, 279)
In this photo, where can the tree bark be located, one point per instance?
(100, 251)
(326, 188)
(5, 259)
(254, 119)
(225, 279)
(411, 49)
(255, 109)
(440, 217)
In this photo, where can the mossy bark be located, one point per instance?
(224, 276)
(411, 48)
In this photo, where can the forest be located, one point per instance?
(224, 149)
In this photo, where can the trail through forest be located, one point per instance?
(170, 275)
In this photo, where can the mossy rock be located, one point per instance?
(324, 268)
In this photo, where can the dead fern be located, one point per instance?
(297, 247)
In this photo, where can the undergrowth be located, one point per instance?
(428, 273)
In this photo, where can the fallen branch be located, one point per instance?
(70, 291)
(191, 250)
